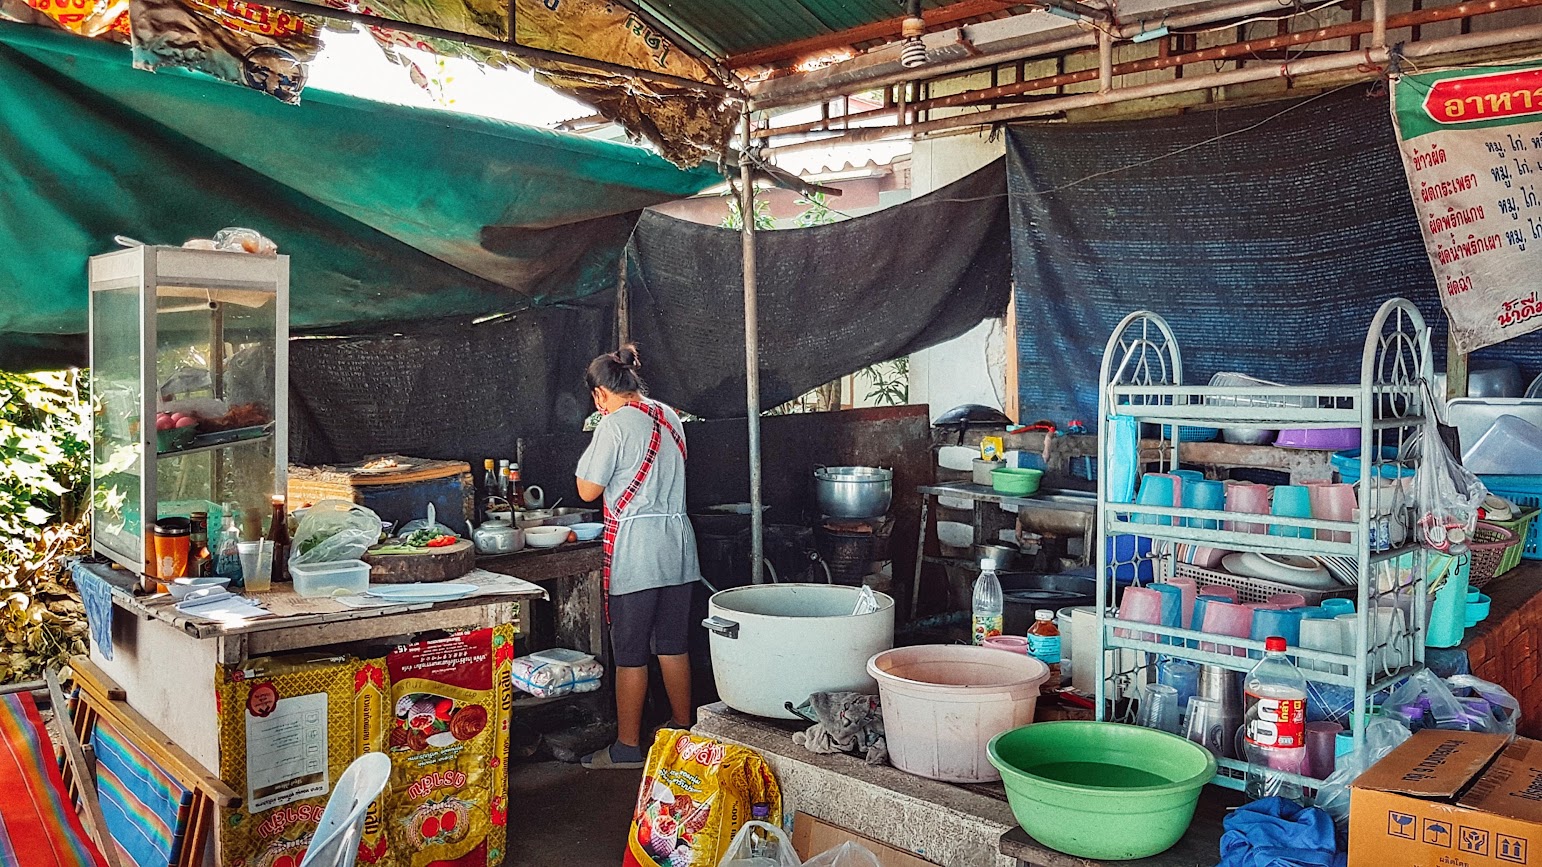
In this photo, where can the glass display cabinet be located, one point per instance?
(189, 380)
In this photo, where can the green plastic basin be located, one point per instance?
(1015, 482)
(1101, 790)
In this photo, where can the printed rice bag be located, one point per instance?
(288, 727)
(696, 793)
(451, 700)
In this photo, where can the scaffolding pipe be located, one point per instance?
(1339, 62)
(751, 351)
(1378, 23)
(1105, 62)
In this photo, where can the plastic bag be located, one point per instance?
(1382, 736)
(334, 530)
(741, 852)
(1425, 701)
(848, 854)
(1447, 495)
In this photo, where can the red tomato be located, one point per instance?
(442, 709)
(430, 828)
(448, 820)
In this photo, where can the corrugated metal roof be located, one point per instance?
(730, 28)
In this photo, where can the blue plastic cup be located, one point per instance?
(1269, 622)
(1172, 608)
(1315, 612)
(1338, 605)
(1157, 489)
(1188, 476)
(1182, 675)
(1292, 501)
(1343, 744)
(1204, 494)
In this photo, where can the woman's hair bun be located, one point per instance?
(627, 357)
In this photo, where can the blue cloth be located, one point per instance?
(1274, 832)
(96, 595)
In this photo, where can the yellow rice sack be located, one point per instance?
(695, 795)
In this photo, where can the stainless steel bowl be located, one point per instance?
(1002, 557)
(1248, 436)
(854, 492)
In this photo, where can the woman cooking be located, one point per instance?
(636, 461)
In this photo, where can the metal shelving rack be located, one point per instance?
(1142, 377)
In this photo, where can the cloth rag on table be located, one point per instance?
(1274, 832)
(844, 722)
(96, 596)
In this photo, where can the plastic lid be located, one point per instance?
(987, 566)
(487, 462)
(1043, 614)
(1274, 643)
(759, 811)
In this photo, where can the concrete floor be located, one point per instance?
(561, 815)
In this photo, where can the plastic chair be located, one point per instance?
(336, 843)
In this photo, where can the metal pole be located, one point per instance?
(1105, 62)
(751, 352)
(623, 305)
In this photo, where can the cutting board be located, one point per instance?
(433, 564)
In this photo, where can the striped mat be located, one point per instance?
(38, 826)
(145, 809)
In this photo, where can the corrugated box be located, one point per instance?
(1450, 799)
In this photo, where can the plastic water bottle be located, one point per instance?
(987, 604)
(1275, 724)
(765, 849)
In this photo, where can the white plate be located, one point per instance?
(1297, 571)
(421, 592)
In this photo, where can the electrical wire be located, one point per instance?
(1261, 18)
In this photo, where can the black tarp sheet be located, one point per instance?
(1267, 251)
(833, 299)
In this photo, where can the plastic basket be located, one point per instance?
(1525, 492)
(1255, 589)
(1491, 546)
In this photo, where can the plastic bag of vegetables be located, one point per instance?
(334, 530)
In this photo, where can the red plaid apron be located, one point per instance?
(613, 510)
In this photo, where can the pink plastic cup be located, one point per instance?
(1190, 592)
(1140, 605)
(1218, 590)
(1321, 741)
(1249, 498)
(1332, 503)
(1225, 618)
(1287, 600)
(1011, 643)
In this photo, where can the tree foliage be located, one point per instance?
(45, 468)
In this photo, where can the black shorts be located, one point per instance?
(649, 622)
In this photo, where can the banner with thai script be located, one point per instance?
(244, 43)
(1471, 142)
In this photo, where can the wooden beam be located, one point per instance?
(1231, 51)
(887, 29)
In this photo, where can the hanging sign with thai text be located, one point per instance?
(1471, 141)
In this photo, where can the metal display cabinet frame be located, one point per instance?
(1142, 377)
(194, 281)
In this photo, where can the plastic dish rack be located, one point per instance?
(1255, 589)
(1525, 492)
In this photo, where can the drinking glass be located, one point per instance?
(1159, 708)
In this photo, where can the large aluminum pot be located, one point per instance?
(854, 492)
(778, 643)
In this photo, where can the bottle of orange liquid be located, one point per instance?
(1044, 645)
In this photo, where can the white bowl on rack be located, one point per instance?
(1295, 570)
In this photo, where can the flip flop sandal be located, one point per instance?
(600, 760)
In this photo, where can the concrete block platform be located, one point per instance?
(956, 826)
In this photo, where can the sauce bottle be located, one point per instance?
(1044, 645)
(278, 534)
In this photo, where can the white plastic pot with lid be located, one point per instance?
(778, 643)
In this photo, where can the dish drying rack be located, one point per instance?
(1142, 377)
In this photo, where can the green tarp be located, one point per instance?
(392, 214)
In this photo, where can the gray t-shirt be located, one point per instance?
(655, 546)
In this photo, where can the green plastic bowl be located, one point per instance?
(1016, 482)
(1101, 790)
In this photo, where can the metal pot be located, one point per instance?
(854, 492)
(498, 537)
(1001, 557)
(778, 643)
(1248, 436)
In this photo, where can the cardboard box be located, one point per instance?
(811, 836)
(1450, 799)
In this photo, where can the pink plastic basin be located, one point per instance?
(942, 704)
